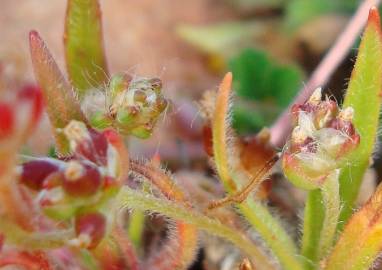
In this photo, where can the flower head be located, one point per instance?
(321, 141)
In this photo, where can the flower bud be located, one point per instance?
(135, 105)
(56, 205)
(81, 179)
(86, 143)
(34, 173)
(90, 229)
(118, 84)
(321, 141)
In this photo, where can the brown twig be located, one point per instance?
(281, 128)
(241, 195)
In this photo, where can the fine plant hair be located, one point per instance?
(97, 206)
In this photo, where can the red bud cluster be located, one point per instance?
(81, 179)
(82, 183)
(321, 141)
(90, 229)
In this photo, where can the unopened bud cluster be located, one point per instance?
(80, 187)
(133, 105)
(322, 139)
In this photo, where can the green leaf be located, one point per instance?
(260, 79)
(256, 213)
(250, 116)
(60, 102)
(300, 11)
(257, 77)
(251, 70)
(84, 49)
(364, 95)
(256, 4)
(218, 38)
(360, 243)
(246, 122)
(284, 83)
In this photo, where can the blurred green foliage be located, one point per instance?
(264, 86)
(268, 85)
(298, 12)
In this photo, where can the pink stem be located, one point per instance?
(281, 128)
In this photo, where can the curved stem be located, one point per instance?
(257, 214)
(272, 232)
(133, 199)
(47, 240)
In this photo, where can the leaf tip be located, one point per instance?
(227, 78)
(226, 83)
(374, 18)
(34, 36)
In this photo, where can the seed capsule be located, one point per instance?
(81, 179)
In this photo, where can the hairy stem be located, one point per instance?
(331, 199)
(272, 232)
(313, 217)
(185, 241)
(136, 223)
(28, 240)
(257, 214)
(129, 198)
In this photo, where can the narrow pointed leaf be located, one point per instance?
(61, 103)
(361, 242)
(84, 49)
(255, 212)
(364, 95)
(220, 126)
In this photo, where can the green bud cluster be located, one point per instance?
(133, 106)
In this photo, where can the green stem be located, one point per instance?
(331, 199)
(257, 214)
(354, 173)
(136, 224)
(88, 260)
(272, 232)
(144, 202)
(313, 219)
(32, 240)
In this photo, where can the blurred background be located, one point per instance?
(271, 46)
